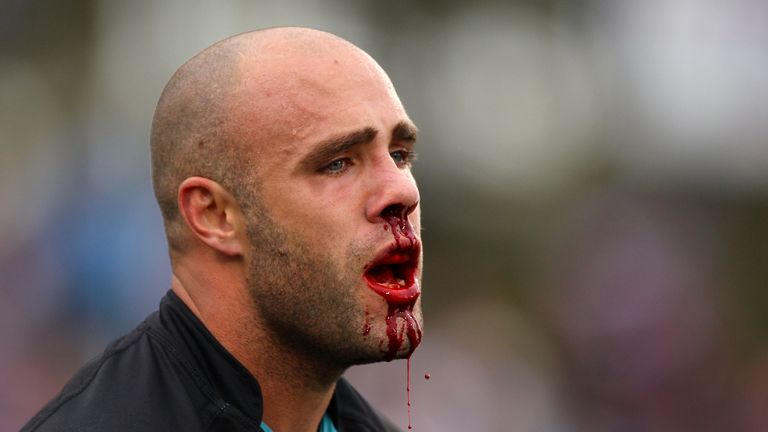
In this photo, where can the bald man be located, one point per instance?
(281, 162)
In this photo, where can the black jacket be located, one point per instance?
(171, 374)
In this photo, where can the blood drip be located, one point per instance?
(412, 330)
(408, 390)
(401, 226)
(405, 237)
(366, 324)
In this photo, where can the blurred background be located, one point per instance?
(594, 177)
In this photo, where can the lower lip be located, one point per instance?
(399, 295)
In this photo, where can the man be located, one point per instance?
(281, 163)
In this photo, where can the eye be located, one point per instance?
(403, 157)
(337, 166)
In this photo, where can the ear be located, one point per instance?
(212, 214)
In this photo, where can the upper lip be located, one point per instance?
(396, 254)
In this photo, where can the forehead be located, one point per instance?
(291, 101)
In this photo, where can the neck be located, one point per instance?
(296, 387)
(295, 397)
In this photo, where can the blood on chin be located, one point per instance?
(403, 331)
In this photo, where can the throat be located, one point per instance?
(294, 404)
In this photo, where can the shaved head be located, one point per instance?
(280, 158)
(204, 124)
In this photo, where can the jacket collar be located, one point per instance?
(226, 379)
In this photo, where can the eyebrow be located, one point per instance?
(329, 148)
(405, 131)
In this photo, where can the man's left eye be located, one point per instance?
(337, 166)
(402, 157)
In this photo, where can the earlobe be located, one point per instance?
(211, 214)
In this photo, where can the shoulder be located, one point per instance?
(138, 383)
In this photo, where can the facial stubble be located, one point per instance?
(307, 302)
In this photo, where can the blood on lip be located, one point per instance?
(392, 275)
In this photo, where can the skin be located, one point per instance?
(269, 250)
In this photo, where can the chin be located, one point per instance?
(391, 333)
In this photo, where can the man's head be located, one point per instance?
(282, 156)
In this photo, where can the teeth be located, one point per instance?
(401, 282)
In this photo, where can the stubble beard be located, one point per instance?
(309, 304)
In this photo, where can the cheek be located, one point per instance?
(328, 231)
(304, 209)
(330, 214)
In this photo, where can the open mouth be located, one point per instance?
(393, 274)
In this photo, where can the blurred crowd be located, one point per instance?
(593, 183)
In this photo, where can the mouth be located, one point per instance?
(392, 274)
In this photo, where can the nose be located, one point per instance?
(391, 187)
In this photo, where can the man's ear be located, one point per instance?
(212, 214)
